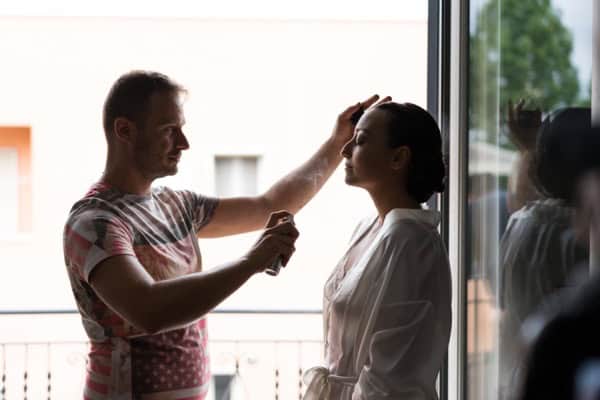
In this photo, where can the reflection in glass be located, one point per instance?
(525, 86)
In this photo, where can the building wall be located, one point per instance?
(268, 88)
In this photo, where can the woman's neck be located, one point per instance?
(386, 200)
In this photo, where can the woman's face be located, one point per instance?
(369, 158)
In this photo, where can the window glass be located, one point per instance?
(529, 77)
(9, 181)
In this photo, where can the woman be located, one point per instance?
(387, 305)
(542, 259)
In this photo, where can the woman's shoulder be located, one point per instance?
(413, 237)
(412, 225)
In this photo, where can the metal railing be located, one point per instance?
(256, 368)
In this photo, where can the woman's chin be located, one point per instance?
(349, 179)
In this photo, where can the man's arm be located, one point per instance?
(155, 306)
(293, 191)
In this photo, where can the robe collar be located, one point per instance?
(430, 218)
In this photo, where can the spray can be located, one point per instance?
(278, 263)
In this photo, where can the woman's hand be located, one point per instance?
(523, 125)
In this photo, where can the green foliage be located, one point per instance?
(519, 49)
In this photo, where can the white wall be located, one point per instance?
(269, 87)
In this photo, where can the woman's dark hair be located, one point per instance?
(409, 125)
(566, 147)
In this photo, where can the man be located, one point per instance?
(131, 250)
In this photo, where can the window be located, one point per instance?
(15, 180)
(222, 386)
(520, 248)
(236, 175)
(9, 176)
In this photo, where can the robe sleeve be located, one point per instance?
(405, 322)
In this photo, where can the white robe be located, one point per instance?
(387, 322)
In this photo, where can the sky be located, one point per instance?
(577, 16)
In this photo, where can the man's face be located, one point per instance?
(160, 139)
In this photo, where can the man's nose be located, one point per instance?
(182, 142)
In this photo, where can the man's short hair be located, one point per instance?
(130, 94)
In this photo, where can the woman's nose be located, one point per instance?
(347, 149)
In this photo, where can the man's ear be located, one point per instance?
(124, 129)
(401, 158)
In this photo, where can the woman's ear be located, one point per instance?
(401, 158)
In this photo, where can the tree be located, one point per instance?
(519, 49)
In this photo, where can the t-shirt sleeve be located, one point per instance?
(201, 208)
(93, 236)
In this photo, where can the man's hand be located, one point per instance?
(277, 239)
(346, 121)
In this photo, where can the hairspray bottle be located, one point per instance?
(276, 266)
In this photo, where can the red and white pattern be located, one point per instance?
(160, 230)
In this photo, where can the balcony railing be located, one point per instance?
(261, 359)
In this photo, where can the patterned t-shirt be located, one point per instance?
(160, 230)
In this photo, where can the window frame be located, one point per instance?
(19, 137)
(447, 91)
